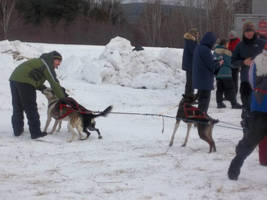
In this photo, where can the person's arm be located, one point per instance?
(236, 59)
(53, 81)
(208, 59)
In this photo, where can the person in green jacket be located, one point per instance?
(24, 81)
(224, 79)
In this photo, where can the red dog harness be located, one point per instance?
(69, 105)
(192, 112)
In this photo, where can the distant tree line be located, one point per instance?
(36, 11)
(97, 21)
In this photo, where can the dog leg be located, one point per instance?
(99, 134)
(174, 131)
(213, 146)
(204, 132)
(189, 125)
(47, 122)
(87, 133)
(59, 125)
(70, 128)
(79, 129)
(54, 127)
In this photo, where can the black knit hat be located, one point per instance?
(57, 55)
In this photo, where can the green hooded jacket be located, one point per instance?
(36, 71)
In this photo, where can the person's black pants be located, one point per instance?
(24, 99)
(245, 92)
(189, 91)
(225, 86)
(256, 132)
(235, 73)
(203, 100)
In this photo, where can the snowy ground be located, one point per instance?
(133, 160)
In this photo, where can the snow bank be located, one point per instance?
(153, 68)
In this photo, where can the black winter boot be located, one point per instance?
(42, 134)
(234, 169)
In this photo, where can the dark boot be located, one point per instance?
(234, 170)
(42, 134)
(236, 106)
(221, 105)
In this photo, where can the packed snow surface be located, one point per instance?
(133, 160)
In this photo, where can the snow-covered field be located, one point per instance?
(133, 160)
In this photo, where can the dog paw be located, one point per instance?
(81, 138)
(69, 141)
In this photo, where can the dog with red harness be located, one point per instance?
(78, 117)
(192, 115)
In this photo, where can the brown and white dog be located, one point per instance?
(79, 121)
(204, 125)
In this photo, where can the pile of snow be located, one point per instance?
(116, 64)
(150, 68)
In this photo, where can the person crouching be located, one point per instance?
(24, 81)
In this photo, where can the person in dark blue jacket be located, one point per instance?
(257, 122)
(190, 42)
(242, 57)
(204, 67)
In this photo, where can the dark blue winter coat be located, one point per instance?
(245, 49)
(203, 64)
(190, 44)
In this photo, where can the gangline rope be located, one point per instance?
(226, 124)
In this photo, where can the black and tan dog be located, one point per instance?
(191, 115)
(81, 121)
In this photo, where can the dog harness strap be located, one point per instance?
(193, 112)
(69, 110)
(260, 90)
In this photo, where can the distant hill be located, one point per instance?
(133, 10)
(167, 2)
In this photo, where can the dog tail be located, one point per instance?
(105, 112)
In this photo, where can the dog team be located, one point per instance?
(201, 68)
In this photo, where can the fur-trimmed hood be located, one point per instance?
(189, 36)
(222, 50)
(261, 63)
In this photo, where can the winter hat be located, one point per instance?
(233, 33)
(194, 32)
(57, 55)
(248, 26)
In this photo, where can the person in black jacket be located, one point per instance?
(244, 53)
(190, 42)
(204, 68)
